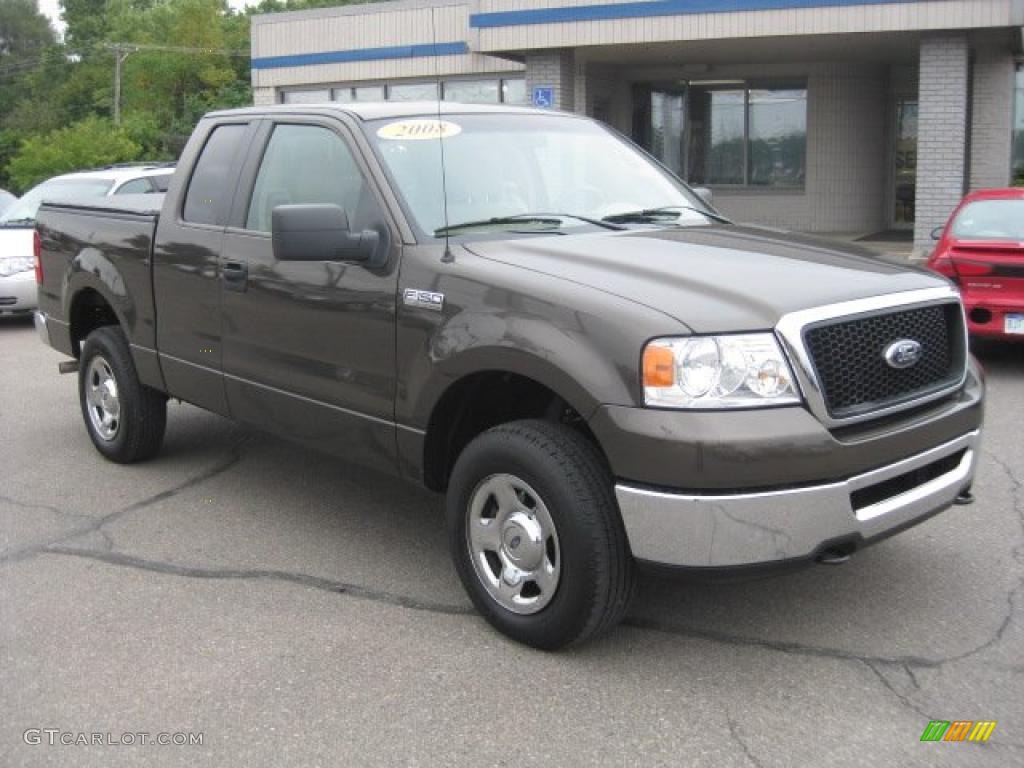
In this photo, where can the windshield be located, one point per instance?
(24, 211)
(991, 220)
(506, 165)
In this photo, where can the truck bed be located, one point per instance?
(105, 244)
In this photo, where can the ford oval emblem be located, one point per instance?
(903, 353)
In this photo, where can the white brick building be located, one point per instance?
(852, 116)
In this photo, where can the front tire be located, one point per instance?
(125, 418)
(536, 534)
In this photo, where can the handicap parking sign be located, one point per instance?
(543, 96)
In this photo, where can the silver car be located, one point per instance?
(6, 200)
(17, 223)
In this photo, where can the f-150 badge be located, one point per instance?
(414, 297)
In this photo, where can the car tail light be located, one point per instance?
(37, 252)
(972, 268)
(945, 266)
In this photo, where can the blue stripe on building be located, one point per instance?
(361, 54)
(608, 11)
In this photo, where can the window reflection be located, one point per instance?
(307, 97)
(752, 136)
(412, 92)
(778, 137)
(716, 131)
(471, 91)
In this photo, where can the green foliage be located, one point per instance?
(88, 143)
(86, 20)
(46, 86)
(23, 30)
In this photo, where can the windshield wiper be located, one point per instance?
(647, 214)
(18, 222)
(520, 218)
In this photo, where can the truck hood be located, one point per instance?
(716, 278)
(16, 241)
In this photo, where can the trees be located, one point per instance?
(23, 30)
(89, 143)
(62, 92)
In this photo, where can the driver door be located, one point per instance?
(309, 346)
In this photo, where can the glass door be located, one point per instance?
(904, 163)
(659, 123)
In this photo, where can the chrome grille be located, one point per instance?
(848, 357)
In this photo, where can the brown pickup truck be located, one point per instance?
(524, 311)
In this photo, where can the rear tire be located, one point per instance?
(125, 418)
(531, 503)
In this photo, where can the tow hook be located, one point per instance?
(965, 498)
(832, 557)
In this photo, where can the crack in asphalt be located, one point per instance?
(107, 555)
(96, 524)
(47, 507)
(902, 697)
(735, 733)
(784, 646)
(302, 579)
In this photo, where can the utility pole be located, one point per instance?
(121, 52)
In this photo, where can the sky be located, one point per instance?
(51, 8)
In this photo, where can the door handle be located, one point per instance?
(235, 275)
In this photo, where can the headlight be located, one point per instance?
(741, 371)
(12, 265)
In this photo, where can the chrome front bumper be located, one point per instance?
(724, 530)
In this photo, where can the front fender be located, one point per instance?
(563, 358)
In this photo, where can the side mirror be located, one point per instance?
(704, 194)
(320, 232)
(937, 233)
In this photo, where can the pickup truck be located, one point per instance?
(521, 310)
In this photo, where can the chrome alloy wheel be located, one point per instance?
(101, 398)
(513, 544)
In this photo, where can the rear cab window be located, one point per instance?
(208, 199)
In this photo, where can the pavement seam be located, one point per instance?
(97, 524)
(735, 733)
(52, 547)
(315, 582)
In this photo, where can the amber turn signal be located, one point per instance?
(659, 366)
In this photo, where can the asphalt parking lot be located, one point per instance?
(295, 611)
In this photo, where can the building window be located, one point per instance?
(510, 91)
(1018, 129)
(472, 91)
(717, 129)
(306, 97)
(369, 93)
(359, 93)
(743, 135)
(513, 91)
(413, 92)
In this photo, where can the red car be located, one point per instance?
(981, 249)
